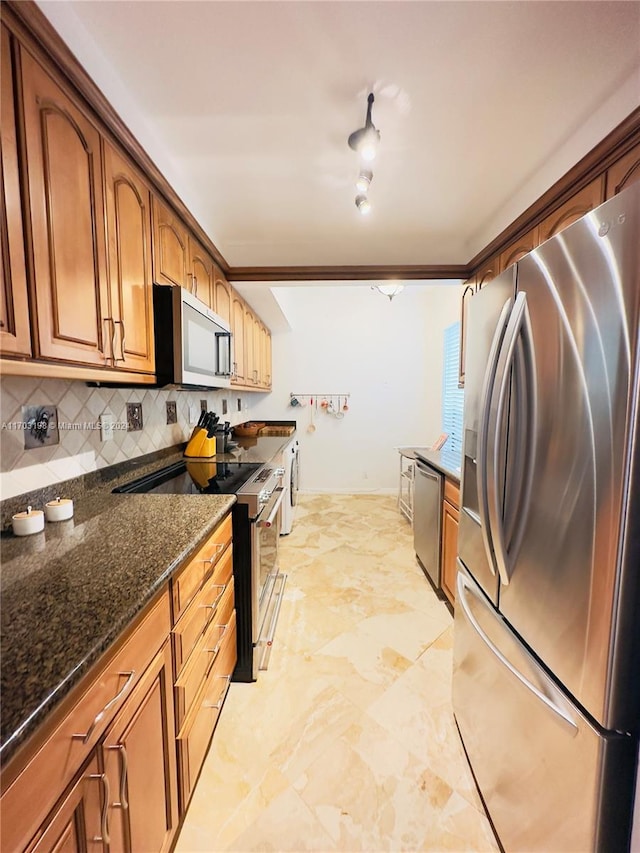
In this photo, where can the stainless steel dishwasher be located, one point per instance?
(427, 516)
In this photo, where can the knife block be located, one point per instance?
(200, 446)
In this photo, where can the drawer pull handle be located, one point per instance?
(104, 815)
(124, 803)
(220, 546)
(216, 648)
(218, 704)
(221, 586)
(100, 715)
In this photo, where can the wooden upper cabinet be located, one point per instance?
(170, 248)
(238, 376)
(518, 249)
(223, 296)
(487, 272)
(15, 335)
(576, 207)
(201, 270)
(128, 210)
(67, 222)
(267, 358)
(249, 348)
(624, 172)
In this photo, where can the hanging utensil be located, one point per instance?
(311, 427)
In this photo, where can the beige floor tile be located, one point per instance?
(347, 742)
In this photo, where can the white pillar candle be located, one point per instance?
(59, 510)
(26, 523)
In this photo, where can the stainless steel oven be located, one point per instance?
(256, 518)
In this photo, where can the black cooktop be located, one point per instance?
(193, 478)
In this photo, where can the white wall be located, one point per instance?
(387, 355)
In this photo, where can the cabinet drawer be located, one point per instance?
(193, 738)
(204, 655)
(201, 611)
(452, 493)
(27, 801)
(188, 580)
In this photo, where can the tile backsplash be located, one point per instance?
(79, 408)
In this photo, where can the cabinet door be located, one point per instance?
(237, 326)
(487, 273)
(573, 209)
(450, 516)
(139, 755)
(202, 281)
(267, 358)
(518, 249)
(223, 296)
(469, 288)
(624, 172)
(170, 248)
(256, 373)
(15, 337)
(67, 222)
(249, 352)
(80, 823)
(128, 203)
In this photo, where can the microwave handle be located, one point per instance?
(223, 343)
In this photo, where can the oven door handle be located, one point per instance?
(268, 522)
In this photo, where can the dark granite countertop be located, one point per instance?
(70, 591)
(438, 459)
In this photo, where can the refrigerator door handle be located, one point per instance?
(488, 385)
(495, 414)
(463, 590)
(521, 476)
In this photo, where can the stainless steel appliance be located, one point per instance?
(193, 344)
(546, 691)
(427, 514)
(291, 463)
(259, 585)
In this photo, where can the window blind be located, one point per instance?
(452, 396)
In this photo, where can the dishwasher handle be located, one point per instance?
(426, 471)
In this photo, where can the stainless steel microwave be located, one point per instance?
(193, 343)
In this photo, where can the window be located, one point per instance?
(452, 396)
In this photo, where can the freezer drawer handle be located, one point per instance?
(463, 586)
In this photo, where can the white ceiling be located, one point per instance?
(246, 107)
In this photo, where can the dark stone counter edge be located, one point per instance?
(433, 458)
(22, 734)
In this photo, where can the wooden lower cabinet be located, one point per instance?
(80, 822)
(449, 554)
(140, 764)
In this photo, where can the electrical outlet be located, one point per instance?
(172, 412)
(239, 404)
(204, 406)
(224, 407)
(106, 426)
(134, 417)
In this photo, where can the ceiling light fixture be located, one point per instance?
(364, 180)
(392, 289)
(365, 140)
(363, 204)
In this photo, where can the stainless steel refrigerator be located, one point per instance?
(546, 685)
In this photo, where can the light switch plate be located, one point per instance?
(106, 426)
(194, 413)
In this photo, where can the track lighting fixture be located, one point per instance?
(364, 180)
(363, 204)
(365, 140)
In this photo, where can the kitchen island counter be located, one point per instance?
(438, 459)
